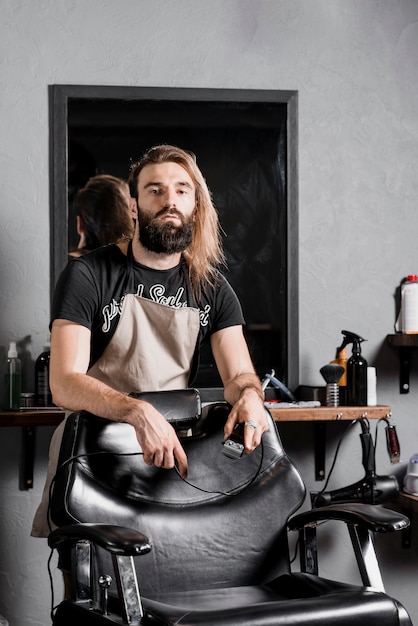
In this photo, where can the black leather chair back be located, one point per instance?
(229, 517)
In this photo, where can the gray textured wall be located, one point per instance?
(354, 64)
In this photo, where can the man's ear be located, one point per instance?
(133, 208)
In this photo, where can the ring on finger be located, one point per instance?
(251, 423)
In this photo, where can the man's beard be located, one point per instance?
(164, 237)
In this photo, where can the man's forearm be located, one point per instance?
(239, 385)
(157, 438)
(82, 392)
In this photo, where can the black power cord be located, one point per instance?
(334, 461)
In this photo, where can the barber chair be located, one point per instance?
(151, 549)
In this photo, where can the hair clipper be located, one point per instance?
(233, 447)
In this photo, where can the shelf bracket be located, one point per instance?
(406, 535)
(27, 458)
(404, 343)
(319, 448)
(404, 369)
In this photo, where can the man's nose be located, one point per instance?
(170, 197)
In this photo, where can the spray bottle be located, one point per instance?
(356, 372)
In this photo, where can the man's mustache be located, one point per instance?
(173, 212)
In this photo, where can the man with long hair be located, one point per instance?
(131, 316)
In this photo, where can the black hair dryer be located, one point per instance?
(371, 489)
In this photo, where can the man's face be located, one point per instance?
(166, 203)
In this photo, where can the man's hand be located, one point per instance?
(248, 410)
(158, 439)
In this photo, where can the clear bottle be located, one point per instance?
(12, 379)
(43, 396)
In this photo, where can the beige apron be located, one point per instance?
(152, 349)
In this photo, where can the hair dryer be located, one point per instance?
(371, 489)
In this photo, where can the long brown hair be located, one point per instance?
(205, 253)
(104, 209)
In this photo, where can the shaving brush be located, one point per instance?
(332, 373)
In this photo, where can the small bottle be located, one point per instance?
(43, 396)
(341, 359)
(13, 379)
(371, 386)
(357, 375)
(409, 305)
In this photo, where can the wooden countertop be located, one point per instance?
(408, 500)
(35, 417)
(329, 413)
(52, 417)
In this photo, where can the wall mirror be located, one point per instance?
(246, 147)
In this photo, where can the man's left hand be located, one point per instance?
(250, 411)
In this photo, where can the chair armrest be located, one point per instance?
(370, 516)
(114, 539)
(362, 521)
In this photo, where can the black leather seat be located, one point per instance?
(210, 551)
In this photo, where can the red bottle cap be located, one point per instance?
(412, 278)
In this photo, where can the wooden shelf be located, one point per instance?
(39, 417)
(408, 500)
(403, 340)
(35, 417)
(329, 413)
(321, 416)
(28, 420)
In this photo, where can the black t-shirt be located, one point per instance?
(91, 288)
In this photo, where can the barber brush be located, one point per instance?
(332, 373)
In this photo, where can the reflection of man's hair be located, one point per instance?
(104, 209)
(205, 253)
(81, 166)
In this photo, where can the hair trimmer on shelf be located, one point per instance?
(371, 489)
(270, 378)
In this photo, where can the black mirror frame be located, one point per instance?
(59, 97)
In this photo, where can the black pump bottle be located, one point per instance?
(356, 373)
